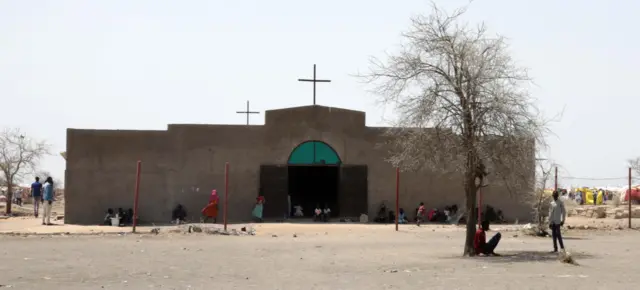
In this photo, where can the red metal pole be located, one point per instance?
(629, 197)
(226, 193)
(556, 179)
(137, 194)
(397, 196)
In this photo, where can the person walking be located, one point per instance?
(47, 199)
(557, 216)
(36, 195)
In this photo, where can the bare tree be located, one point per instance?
(545, 174)
(43, 174)
(462, 105)
(19, 155)
(634, 164)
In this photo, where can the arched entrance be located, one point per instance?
(314, 177)
(313, 153)
(314, 174)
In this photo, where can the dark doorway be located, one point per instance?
(312, 185)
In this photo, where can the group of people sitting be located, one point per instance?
(322, 214)
(122, 217)
(319, 213)
(420, 214)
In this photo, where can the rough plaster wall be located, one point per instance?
(204, 149)
(435, 190)
(101, 169)
(183, 164)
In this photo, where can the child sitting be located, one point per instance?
(402, 217)
(317, 214)
(298, 211)
(107, 217)
(179, 214)
(326, 213)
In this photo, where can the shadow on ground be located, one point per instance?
(525, 256)
(575, 238)
(533, 256)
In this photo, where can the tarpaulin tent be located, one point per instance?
(635, 194)
(590, 194)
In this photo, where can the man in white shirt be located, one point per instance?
(557, 216)
(18, 196)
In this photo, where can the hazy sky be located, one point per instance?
(144, 64)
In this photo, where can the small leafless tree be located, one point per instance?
(19, 155)
(462, 106)
(635, 165)
(545, 174)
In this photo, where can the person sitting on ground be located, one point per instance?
(179, 214)
(126, 217)
(297, 211)
(500, 217)
(123, 217)
(382, 214)
(108, 216)
(326, 213)
(480, 244)
(432, 215)
(392, 216)
(317, 214)
(130, 216)
(420, 214)
(402, 217)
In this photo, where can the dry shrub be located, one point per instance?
(566, 257)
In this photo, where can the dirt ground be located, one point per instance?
(315, 256)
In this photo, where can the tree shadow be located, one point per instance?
(532, 256)
(575, 238)
(525, 257)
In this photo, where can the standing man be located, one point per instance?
(18, 196)
(47, 199)
(557, 216)
(36, 194)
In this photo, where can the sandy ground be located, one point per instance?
(309, 256)
(319, 256)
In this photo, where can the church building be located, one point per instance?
(311, 155)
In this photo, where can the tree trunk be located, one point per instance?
(470, 193)
(9, 197)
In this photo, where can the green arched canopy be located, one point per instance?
(313, 152)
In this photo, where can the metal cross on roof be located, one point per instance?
(314, 81)
(248, 112)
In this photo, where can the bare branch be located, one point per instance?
(634, 164)
(463, 105)
(43, 174)
(19, 155)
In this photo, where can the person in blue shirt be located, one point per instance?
(36, 194)
(47, 199)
